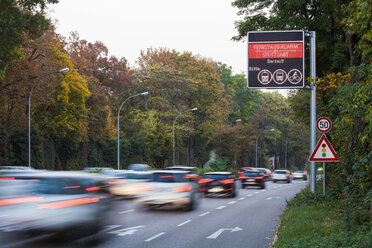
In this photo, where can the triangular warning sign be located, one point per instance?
(323, 151)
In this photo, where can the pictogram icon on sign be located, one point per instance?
(323, 151)
(294, 76)
(279, 76)
(264, 76)
(323, 124)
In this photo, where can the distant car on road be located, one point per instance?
(130, 184)
(266, 172)
(252, 178)
(191, 171)
(281, 175)
(170, 188)
(218, 184)
(299, 174)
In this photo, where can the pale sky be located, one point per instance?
(203, 27)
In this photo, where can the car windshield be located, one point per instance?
(137, 176)
(216, 176)
(262, 170)
(169, 177)
(251, 174)
(299, 172)
(64, 186)
(280, 172)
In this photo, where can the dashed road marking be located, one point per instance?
(126, 211)
(256, 192)
(221, 207)
(232, 202)
(154, 237)
(204, 214)
(242, 198)
(183, 223)
(249, 195)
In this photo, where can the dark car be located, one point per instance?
(191, 171)
(252, 178)
(71, 204)
(218, 184)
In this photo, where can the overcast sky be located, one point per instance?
(203, 27)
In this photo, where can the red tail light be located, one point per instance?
(166, 176)
(7, 178)
(19, 200)
(243, 177)
(69, 203)
(258, 177)
(273, 175)
(182, 188)
(93, 189)
(205, 180)
(71, 187)
(286, 175)
(304, 174)
(227, 181)
(117, 182)
(227, 189)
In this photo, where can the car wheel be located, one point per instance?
(191, 205)
(263, 186)
(288, 181)
(274, 181)
(243, 186)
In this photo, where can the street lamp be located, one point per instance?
(271, 130)
(174, 122)
(29, 109)
(141, 94)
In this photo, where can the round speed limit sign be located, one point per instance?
(323, 124)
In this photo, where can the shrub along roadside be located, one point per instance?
(311, 220)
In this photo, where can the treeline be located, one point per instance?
(344, 88)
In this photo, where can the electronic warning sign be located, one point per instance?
(276, 60)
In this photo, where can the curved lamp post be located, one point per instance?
(141, 94)
(29, 109)
(174, 122)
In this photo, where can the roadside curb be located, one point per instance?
(274, 241)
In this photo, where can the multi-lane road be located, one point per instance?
(248, 220)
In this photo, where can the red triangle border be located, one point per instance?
(312, 159)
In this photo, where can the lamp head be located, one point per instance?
(144, 93)
(64, 70)
(194, 109)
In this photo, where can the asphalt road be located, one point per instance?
(248, 220)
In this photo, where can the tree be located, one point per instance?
(19, 19)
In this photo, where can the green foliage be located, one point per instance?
(159, 146)
(221, 164)
(18, 18)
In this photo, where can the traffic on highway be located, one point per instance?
(152, 208)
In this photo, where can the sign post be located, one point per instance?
(276, 60)
(323, 151)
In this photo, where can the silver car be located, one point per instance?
(281, 175)
(170, 188)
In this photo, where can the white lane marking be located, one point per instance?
(126, 231)
(218, 232)
(256, 192)
(204, 214)
(275, 187)
(269, 198)
(154, 237)
(220, 207)
(232, 202)
(242, 198)
(183, 223)
(126, 211)
(108, 228)
(264, 190)
(249, 195)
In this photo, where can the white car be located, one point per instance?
(281, 175)
(170, 188)
(299, 175)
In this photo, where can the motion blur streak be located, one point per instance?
(7, 178)
(19, 200)
(71, 187)
(182, 188)
(69, 203)
(93, 189)
(119, 182)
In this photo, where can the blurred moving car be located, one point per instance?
(139, 167)
(266, 172)
(299, 174)
(218, 184)
(130, 183)
(252, 178)
(170, 188)
(281, 175)
(191, 171)
(71, 204)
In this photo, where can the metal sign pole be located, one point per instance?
(324, 179)
(312, 35)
